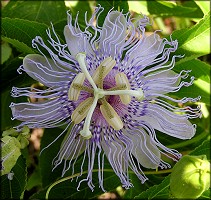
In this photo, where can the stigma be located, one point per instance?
(99, 95)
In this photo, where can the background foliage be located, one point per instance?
(186, 21)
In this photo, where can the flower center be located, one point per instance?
(99, 95)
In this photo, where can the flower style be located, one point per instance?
(109, 86)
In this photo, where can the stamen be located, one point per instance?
(80, 57)
(121, 79)
(87, 107)
(73, 92)
(101, 76)
(86, 133)
(82, 87)
(102, 71)
(81, 111)
(107, 108)
(111, 116)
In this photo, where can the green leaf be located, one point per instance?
(138, 7)
(21, 32)
(34, 180)
(205, 195)
(46, 157)
(20, 46)
(204, 5)
(157, 191)
(6, 100)
(10, 153)
(194, 41)
(153, 179)
(194, 91)
(40, 11)
(6, 52)
(36, 16)
(203, 149)
(108, 5)
(138, 187)
(201, 86)
(199, 69)
(6, 121)
(168, 8)
(11, 77)
(14, 188)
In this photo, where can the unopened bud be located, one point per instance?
(190, 177)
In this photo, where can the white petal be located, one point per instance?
(161, 82)
(40, 69)
(147, 50)
(76, 41)
(144, 150)
(72, 146)
(115, 152)
(113, 33)
(73, 40)
(35, 111)
(168, 122)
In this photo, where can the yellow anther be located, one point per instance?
(81, 111)
(111, 116)
(82, 87)
(74, 92)
(121, 79)
(102, 71)
(107, 108)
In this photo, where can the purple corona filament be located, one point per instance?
(110, 84)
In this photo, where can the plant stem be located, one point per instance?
(96, 170)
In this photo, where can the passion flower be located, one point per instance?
(110, 85)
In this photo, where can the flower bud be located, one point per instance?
(190, 177)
